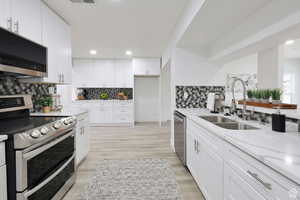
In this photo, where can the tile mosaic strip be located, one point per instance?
(94, 93)
(196, 96)
(12, 86)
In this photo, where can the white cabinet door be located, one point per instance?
(50, 40)
(5, 14)
(123, 74)
(104, 73)
(3, 185)
(27, 19)
(65, 52)
(83, 73)
(146, 66)
(210, 170)
(106, 114)
(235, 188)
(82, 137)
(95, 115)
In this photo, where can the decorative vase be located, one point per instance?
(46, 109)
(265, 100)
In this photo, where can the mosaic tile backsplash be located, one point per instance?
(196, 96)
(12, 86)
(94, 93)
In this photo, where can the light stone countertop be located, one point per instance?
(69, 111)
(280, 151)
(3, 138)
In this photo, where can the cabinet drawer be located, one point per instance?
(3, 185)
(123, 118)
(2, 153)
(215, 143)
(266, 181)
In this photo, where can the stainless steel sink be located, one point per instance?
(217, 119)
(236, 126)
(226, 123)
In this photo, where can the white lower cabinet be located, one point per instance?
(109, 112)
(3, 186)
(82, 137)
(205, 165)
(223, 171)
(236, 188)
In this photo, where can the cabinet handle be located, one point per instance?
(63, 78)
(16, 27)
(195, 145)
(9, 24)
(256, 177)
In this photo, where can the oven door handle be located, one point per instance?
(32, 154)
(46, 181)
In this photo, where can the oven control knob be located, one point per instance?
(57, 125)
(35, 134)
(67, 121)
(44, 130)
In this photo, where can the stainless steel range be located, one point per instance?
(40, 151)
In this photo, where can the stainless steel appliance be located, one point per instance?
(21, 57)
(180, 136)
(40, 151)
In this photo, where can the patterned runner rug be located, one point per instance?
(141, 179)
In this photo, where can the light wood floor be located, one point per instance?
(142, 141)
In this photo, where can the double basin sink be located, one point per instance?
(226, 123)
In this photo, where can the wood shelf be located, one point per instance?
(269, 105)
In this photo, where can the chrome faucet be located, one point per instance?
(244, 96)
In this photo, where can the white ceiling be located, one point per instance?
(293, 50)
(114, 26)
(218, 18)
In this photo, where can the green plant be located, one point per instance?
(104, 95)
(45, 101)
(276, 94)
(250, 94)
(265, 94)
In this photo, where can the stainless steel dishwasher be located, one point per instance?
(180, 136)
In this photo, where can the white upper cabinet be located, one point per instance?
(146, 66)
(123, 74)
(5, 14)
(57, 38)
(23, 18)
(26, 19)
(103, 73)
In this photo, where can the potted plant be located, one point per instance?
(250, 95)
(276, 96)
(125, 95)
(46, 102)
(265, 96)
(104, 96)
(258, 95)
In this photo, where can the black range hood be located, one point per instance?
(20, 56)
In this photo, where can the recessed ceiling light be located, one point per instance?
(93, 52)
(289, 42)
(128, 53)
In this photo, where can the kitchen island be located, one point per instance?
(260, 162)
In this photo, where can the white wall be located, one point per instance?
(188, 68)
(146, 99)
(165, 80)
(269, 71)
(187, 17)
(245, 65)
(293, 66)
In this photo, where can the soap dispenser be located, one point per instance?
(278, 122)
